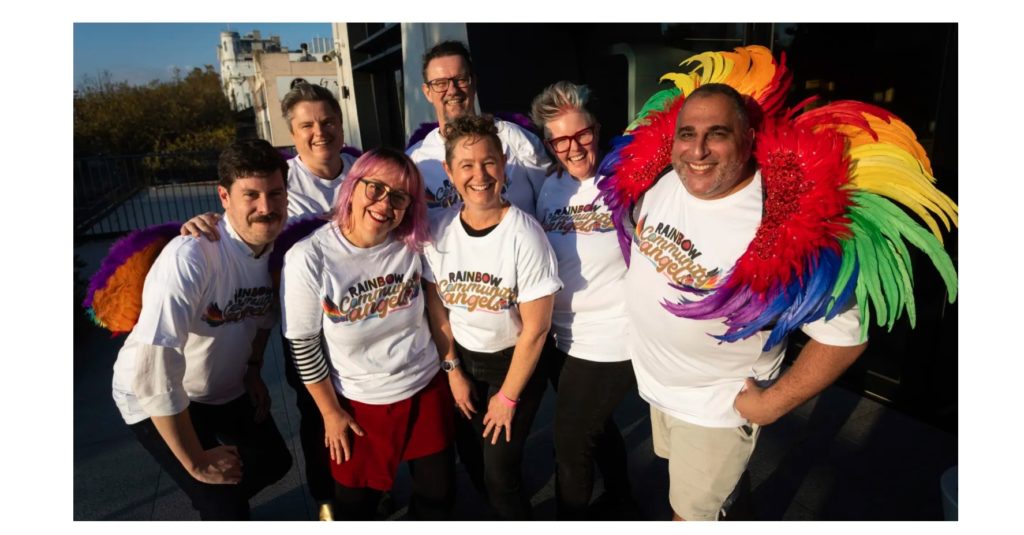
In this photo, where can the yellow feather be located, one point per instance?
(892, 172)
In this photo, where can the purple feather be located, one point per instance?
(291, 235)
(123, 249)
(351, 151)
(420, 133)
(518, 119)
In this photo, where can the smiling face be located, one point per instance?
(580, 160)
(477, 169)
(316, 132)
(454, 101)
(712, 146)
(370, 220)
(256, 207)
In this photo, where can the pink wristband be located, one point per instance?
(511, 403)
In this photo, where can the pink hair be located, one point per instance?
(414, 229)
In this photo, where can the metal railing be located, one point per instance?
(118, 194)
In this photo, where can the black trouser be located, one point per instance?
(496, 469)
(265, 458)
(311, 433)
(433, 491)
(585, 434)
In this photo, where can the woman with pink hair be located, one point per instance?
(353, 313)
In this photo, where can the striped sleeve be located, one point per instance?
(309, 359)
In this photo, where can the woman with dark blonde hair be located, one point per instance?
(490, 287)
(354, 316)
(586, 353)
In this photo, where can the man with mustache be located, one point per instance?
(449, 84)
(187, 381)
(314, 178)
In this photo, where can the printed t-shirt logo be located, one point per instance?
(247, 302)
(373, 298)
(581, 219)
(675, 256)
(476, 290)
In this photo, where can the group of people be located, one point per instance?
(441, 291)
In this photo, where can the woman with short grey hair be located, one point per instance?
(585, 354)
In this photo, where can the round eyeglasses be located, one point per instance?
(563, 143)
(376, 191)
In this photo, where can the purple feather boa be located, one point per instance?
(291, 235)
(123, 249)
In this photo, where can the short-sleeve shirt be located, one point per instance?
(206, 299)
(481, 280)
(369, 305)
(309, 194)
(589, 318)
(680, 368)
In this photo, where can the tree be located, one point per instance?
(185, 114)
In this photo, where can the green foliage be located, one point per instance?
(185, 114)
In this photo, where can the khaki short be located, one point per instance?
(704, 463)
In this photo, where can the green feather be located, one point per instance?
(658, 102)
(917, 235)
(867, 237)
(848, 263)
(868, 268)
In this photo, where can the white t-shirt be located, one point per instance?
(525, 167)
(482, 279)
(589, 319)
(369, 304)
(309, 194)
(679, 367)
(205, 300)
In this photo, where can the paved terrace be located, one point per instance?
(838, 457)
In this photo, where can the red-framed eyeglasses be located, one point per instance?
(563, 143)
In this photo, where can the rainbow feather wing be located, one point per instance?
(114, 297)
(831, 232)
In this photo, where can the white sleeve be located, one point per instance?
(159, 374)
(529, 153)
(842, 331)
(536, 264)
(171, 294)
(301, 310)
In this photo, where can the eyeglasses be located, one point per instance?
(376, 191)
(440, 85)
(562, 144)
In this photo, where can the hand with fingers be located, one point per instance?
(462, 391)
(218, 466)
(204, 225)
(500, 411)
(336, 439)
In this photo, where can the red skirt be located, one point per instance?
(409, 429)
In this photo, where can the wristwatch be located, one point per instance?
(449, 365)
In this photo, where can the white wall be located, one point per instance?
(350, 117)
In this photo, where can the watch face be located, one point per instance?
(449, 365)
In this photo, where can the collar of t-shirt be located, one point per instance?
(302, 165)
(229, 233)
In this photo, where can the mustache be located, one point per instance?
(269, 218)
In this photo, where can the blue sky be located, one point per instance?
(140, 52)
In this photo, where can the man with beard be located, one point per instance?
(449, 84)
(314, 178)
(709, 399)
(187, 381)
